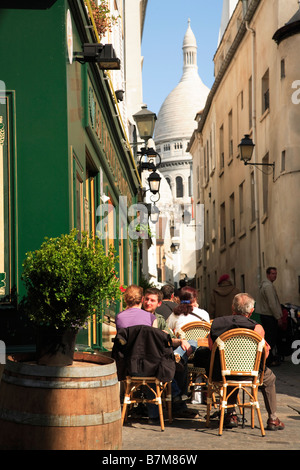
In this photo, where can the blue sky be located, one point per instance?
(165, 26)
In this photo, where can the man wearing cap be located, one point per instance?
(222, 297)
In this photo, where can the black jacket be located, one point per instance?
(222, 324)
(144, 351)
(166, 308)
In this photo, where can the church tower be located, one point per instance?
(175, 124)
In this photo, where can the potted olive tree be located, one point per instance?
(66, 280)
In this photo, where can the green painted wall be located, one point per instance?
(51, 127)
(34, 67)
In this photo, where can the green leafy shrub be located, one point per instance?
(67, 279)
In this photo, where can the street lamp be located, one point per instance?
(246, 147)
(145, 121)
(149, 162)
(154, 214)
(174, 247)
(154, 182)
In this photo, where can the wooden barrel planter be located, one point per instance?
(60, 408)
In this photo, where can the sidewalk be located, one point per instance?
(185, 435)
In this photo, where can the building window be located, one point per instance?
(252, 198)
(210, 152)
(178, 145)
(242, 99)
(190, 188)
(265, 186)
(168, 181)
(243, 285)
(232, 276)
(241, 205)
(232, 216)
(179, 186)
(166, 147)
(223, 224)
(207, 227)
(213, 233)
(283, 160)
(206, 162)
(221, 147)
(282, 68)
(230, 136)
(265, 92)
(250, 101)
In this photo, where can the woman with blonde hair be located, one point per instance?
(133, 314)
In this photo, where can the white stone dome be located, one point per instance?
(176, 117)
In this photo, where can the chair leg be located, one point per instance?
(260, 421)
(243, 414)
(223, 405)
(126, 401)
(256, 404)
(252, 416)
(169, 401)
(209, 399)
(214, 400)
(159, 403)
(239, 404)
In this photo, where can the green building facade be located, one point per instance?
(61, 150)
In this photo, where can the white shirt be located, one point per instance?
(175, 322)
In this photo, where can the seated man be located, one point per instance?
(242, 308)
(168, 304)
(152, 299)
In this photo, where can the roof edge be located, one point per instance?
(229, 56)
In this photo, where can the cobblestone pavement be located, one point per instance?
(185, 435)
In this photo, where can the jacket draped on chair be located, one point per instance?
(144, 351)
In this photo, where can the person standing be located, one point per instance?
(222, 297)
(269, 308)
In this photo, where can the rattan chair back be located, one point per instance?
(242, 355)
(196, 329)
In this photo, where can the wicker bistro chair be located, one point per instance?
(146, 367)
(242, 359)
(162, 395)
(195, 330)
